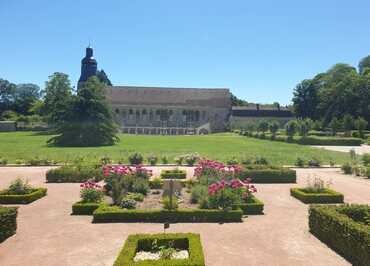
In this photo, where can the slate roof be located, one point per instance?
(132, 95)
(261, 112)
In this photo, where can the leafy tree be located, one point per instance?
(103, 78)
(89, 121)
(25, 95)
(364, 63)
(58, 98)
(291, 129)
(305, 99)
(348, 123)
(335, 125)
(273, 127)
(361, 125)
(235, 101)
(304, 126)
(7, 90)
(263, 126)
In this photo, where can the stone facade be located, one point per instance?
(170, 111)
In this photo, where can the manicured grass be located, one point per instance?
(27, 145)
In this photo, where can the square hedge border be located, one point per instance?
(329, 196)
(173, 174)
(266, 176)
(8, 222)
(254, 206)
(114, 214)
(132, 245)
(23, 199)
(84, 208)
(344, 235)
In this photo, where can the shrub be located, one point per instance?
(3, 161)
(39, 161)
(232, 161)
(19, 187)
(135, 196)
(198, 192)
(156, 183)
(251, 207)
(314, 162)
(91, 192)
(173, 174)
(22, 199)
(128, 203)
(105, 214)
(340, 232)
(83, 208)
(191, 159)
(347, 168)
(259, 160)
(73, 174)
(19, 161)
(280, 175)
(140, 185)
(300, 162)
(164, 160)
(105, 160)
(366, 159)
(329, 141)
(135, 159)
(167, 204)
(152, 159)
(8, 222)
(179, 160)
(368, 172)
(135, 243)
(325, 196)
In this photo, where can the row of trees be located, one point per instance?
(338, 92)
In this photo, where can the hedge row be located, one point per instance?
(22, 199)
(8, 222)
(173, 174)
(84, 208)
(349, 238)
(114, 214)
(328, 196)
(135, 243)
(253, 206)
(281, 175)
(72, 174)
(154, 184)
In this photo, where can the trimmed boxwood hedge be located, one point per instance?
(253, 206)
(73, 174)
(114, 214)
(8, 222)
(328, 196)
(281, 175)
(173, 174)
(22, 199)
(330, 141)
(135, 243)
(347, 237)
(84, 208)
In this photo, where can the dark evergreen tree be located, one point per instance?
(364, 63)
(103, 77)
(89, 121)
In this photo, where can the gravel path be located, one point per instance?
(48, 235)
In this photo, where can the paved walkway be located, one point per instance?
(359, 149)
(48, 235)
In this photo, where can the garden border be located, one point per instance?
(23, 199)
(329, 196)
(8, 222)
(251, 208)
(84, 208)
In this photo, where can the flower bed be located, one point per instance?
(73, 174)
(253, 206)
(324, 196)
(84, 208)
(8, 222)
(144, 242)
(267, 175)
(114, 214)
(36, 194)
(344, 229)
(173, 174)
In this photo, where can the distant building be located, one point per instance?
(171, 111)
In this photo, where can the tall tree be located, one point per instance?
(364, 63)
(7, 90)
(305, 98)
(58, 98)
(89, 121)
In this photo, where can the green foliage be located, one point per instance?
(304, 126)
(198, 192)
(84, 208)
(128, 203)
(173, 174)
(329, 141)
(88, 120)
(340, 232)
(232, 161)
(36, 161)
(366, 159)
(3, 161)
(91, 195)
(105, 214)
(348, 124)
(135, 158)
(314, 162)
(263, 126)
(335, 125)
(224, 199)
(364, 63)
(253, 206)
(167, 203)
(179, 159)
(152, 159)
(291, 129)
(273, 127)
(300, 162)
(8, 222)
(191, 159)
(74, 174)
(22, 199)
(347, 168)
(164, 160)
(325, 196)
(140, 185)
(361, 125)
(281, 175)
(19, 187)
(156, 183)
(135, 243)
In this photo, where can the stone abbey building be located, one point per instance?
(168, 111)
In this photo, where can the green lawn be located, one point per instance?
(27, 145)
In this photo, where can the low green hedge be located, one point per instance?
(84, 208)
(328, 196)
(173, 174)
(8, 222)
(253, 206)
(114, 214)
(330, 141)
(281, 175)
(22, 199)
(349, 238)
(135, 243)
(73, 174)
(154, 184)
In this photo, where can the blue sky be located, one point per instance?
(258, 49)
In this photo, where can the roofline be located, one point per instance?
(165, 88)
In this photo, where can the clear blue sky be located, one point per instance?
(258, 49)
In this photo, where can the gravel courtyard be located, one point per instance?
(48, 235)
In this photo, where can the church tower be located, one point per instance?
(89, 66)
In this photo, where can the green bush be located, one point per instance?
(329, 141)
(267, 175)
(135, 243)
(83, 208)
(8, 222)
(347, 168)
(128, 203)
(39, 162)
(340, 232)
(114, 214)
(73, 174)
(191, 159)
(327, 196)
(140, 185)
(135, 196)
(167, 204)
(152, 159)
(253, 206)
(164, 160)
(198, 192)
(3, 161)
(156, 183)
(22, 199)
(314, 162)
(173, 174)
(300, 162)
(135, 159)
(366, 159)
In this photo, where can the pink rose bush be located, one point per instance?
(91, 192)
(218, 170)
(122, 170)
